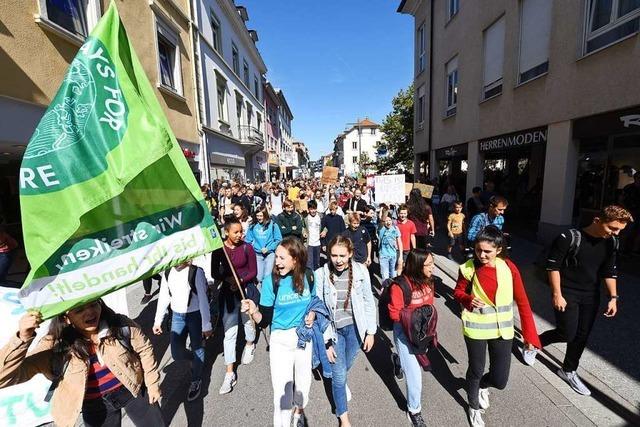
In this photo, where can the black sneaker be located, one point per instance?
(416, 419)
(194, 390)
(397, 368)
(146, 298)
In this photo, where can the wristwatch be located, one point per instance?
(614, 297)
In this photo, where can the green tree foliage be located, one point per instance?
(398, 130)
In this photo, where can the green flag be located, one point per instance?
(106, 194)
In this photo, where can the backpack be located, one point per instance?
(59, 363)
(192, 282)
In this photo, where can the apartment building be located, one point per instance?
(231, 73)
(357, 147)
(537, 97)
(301, 160)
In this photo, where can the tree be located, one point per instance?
(398, 134)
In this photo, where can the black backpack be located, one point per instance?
(386, 324)
(192, 281)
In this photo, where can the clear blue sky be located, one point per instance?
(336, 60)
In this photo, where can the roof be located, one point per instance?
(367, 123)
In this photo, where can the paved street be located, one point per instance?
(535, 396)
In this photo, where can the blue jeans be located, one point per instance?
(313, 262)
(346, 348)
(387, 267)
(181, 325)
(411, 368)
(265, 264)
(6, 259)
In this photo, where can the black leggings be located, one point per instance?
(573, 326)
(499, 366)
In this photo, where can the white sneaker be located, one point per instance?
(228, 383)
(483, 398)
(475, 417)
(575, 382)
(529, 356)
(348, 393)
(248, 353)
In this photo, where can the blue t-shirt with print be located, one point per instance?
(290, 307)
(388, 238)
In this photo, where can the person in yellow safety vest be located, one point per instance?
(487, 286)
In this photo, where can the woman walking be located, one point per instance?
(487, 286)
(285, 296)
(264, 236)
(345, 288)
(99, 362)
(422, 216)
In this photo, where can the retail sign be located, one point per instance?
(452, 152)
(99, 213)
(615, 122)
(514, 140)
(630, 120)
(390, 189)
(221, 159)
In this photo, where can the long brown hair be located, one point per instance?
(414, 269)
(298, 252)
(345, 242)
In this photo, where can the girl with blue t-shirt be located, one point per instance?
(390, 243)
(264, 236)
(283, 302)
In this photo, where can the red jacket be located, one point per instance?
(418, 298)
(489, 281)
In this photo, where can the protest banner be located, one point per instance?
(425, 189)
(371, 181)
(300, 205)
(107, 197)
(407, 188)
(329, 175)
(23, 405)
(390, 189)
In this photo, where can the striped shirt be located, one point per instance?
(344, 317)
(100, 379)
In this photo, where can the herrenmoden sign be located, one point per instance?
(514, 140)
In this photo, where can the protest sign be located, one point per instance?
(390, 189)
(407, 188)
(300, 205)
(371, 181)
(107, 196)
(23, 404)
(425, 189)
(329, 175)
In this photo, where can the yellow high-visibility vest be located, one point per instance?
(492, 320)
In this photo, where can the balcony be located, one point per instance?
(251, 138)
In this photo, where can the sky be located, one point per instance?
(335, 60)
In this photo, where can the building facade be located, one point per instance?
(230, 77)
(536, 97)
(302, 159)
(288, 157)
(356, 148)
(272, 131)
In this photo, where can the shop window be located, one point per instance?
(493, 58)
(608, 21)
(535, 32)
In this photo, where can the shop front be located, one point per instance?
(514, 165)
(260, 166)
(452, 168)
(191, 152)
(609, 155)
(226, 158)
(273, 166)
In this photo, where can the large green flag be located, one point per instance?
(106, 194)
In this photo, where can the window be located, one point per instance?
(216, 33)
(355, 159)
(245, 72)
(373, 131)
(249, 114)
(453, 6)
(535, 31)
(420, 108)
(235, 59)
(222, 102)
(259, 121)
(493, 59)
(355, 145)
(256, 87)
(169, 58)
(609, 21)
(421, 44)
(69, 14)
(239, 104)
(452, 87)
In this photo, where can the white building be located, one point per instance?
(357, 147)
(230, 81)
(288, 156)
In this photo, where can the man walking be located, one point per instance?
(493, 216)
(578, 259)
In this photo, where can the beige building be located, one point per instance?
(38, 40)
(538, 97)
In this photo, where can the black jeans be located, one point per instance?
(107, 411)
(573, 325)
(499, 366)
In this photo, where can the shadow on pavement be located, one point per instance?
(440, 359)
(380, 359)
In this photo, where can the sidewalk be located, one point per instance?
(609, 364)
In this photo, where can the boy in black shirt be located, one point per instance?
(576, 263)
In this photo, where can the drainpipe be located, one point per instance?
(429, 122)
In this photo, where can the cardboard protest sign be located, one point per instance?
(407, 188)
(390, 189)
(425, 189)
(329, 175)
(107, 196)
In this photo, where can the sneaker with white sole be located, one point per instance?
(529, 356)
(416, 419)
(228, 383)
(483, 398)
(194, 390)
(248, 353)
(475, 417)
(575, 382)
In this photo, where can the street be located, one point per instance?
(534, 396)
